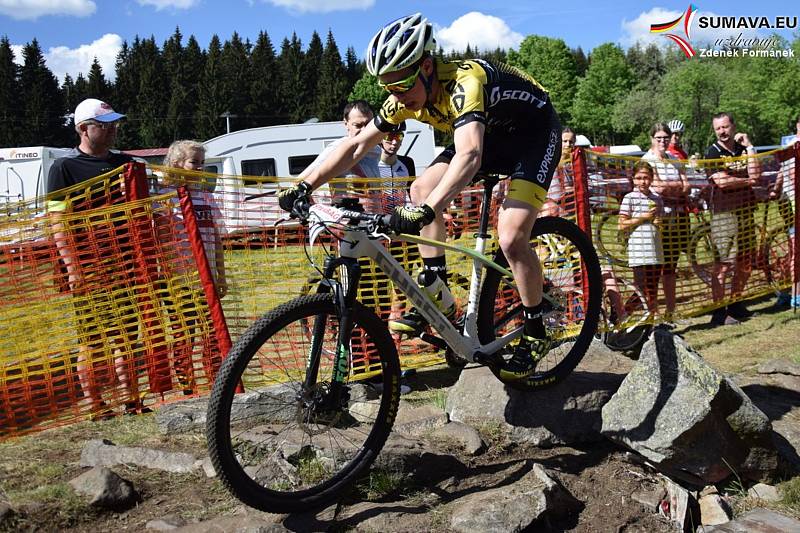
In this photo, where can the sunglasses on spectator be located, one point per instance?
(661, 139)
(389, 137)
(104, 125)
(404, 85)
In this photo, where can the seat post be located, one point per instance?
(489, 181)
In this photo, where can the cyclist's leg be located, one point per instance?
(433, 258)
(530, 180)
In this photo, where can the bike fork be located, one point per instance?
(344, 293)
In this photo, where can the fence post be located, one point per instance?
(143, 240)
(206, 276)
(795, 255)
(580, 180)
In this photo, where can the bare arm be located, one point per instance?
(347, 154)
(64, 246)
(462, 168)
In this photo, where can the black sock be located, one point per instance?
(436, 265)
(534, 326)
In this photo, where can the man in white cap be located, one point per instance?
(97, 255)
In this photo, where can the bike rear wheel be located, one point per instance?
(572, 307)
(289, 442)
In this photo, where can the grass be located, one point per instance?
(771, 334)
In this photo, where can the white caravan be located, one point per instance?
(23, 172)
(275, 153)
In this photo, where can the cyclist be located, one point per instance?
(502, 121)
(676, 128)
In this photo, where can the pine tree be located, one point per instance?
(194, 60)
(43, 110)
(98, 86)
(312, 64)
(264, 108)
(10, 119)
(355, 68)
(150, 108)
(126, 87)
(234, 71)
(178, 124)
(332, 83)
(292, 89)
(210, 105)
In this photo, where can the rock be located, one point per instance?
(182, 417)
(567, 413)
(687, 418)
(650, 499)
(6, 512)
(757, 521)
(418, 420)
(466, 436)
(510, 508)
(765, 492)
(779, 366)
(105, 489)
(235, 524)
(105, 453)
(714, 510)
(167, 523)
(208, 467)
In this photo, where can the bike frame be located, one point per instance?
(356, 244)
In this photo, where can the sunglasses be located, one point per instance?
(104, 125)
(661, 139)
(402, 86)
(393, 137)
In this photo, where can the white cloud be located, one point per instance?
(478, 30)
(33, 9)
(322, 6)
(638, 30)
(165, 4)
(62, 60)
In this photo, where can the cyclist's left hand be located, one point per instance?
(411, 219)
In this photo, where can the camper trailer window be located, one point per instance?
(257, 167)
(298, 163)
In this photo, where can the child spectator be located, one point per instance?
(640, 215)
(190, 155)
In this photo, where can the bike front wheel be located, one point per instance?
(283, 438)
(572, 300)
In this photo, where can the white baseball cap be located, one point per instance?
(94, 109)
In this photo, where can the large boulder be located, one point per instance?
(565, 414)
(690, 420)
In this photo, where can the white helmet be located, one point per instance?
(676, 126)
(400, 44)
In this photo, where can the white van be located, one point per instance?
(23, 173)
(274, 152)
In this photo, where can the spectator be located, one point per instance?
(357, 114)
(785, 190)
(671, 184)
(676, 127)
(732, 215)
(395, 171)
(190, 155)
(98, 256)
(639, 215)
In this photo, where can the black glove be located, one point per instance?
(288, 197)
(411, 219)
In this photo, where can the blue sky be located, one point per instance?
(73, 32)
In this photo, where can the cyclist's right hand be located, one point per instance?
(288, 198)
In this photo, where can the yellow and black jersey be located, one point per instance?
(505, 99)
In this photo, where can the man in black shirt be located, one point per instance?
(96, 253)
(732, 222)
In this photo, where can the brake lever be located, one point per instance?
(259, 195)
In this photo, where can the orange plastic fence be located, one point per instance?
(172, 267)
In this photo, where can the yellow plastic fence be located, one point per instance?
(171, 266)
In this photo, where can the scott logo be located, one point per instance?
(520, 95)
(682, 43)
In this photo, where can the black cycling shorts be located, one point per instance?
(529, 160)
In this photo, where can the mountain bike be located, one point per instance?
(309, 421)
